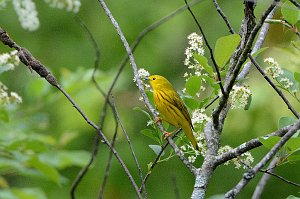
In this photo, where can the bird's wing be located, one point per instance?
(177, 101)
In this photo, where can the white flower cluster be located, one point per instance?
(195, 47)
(240, 96)
(199, 117)
(6, 98)
(27, 14)
(69, 5)
(189, 149)
(277, 72)
(274, 69)
(3, 3)
(246, 158)
(8, 61)
(143, 74)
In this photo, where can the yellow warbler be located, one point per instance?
(172, 108)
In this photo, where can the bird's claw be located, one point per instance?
(167, 134)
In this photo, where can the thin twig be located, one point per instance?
(157, 158)
(108, 165)
(178, 152)
(295, 3)
(251, 173)
(209, 48)
(280, 177)
(274, 87)
(224, 17)
(33, 64)
(129, 142)
(263, 181)
(258, 44)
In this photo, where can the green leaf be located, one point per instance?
(290, 12)
(285, 121)
(193, 85)
(63, 158)
(22, 193)
(156, 149)
(224, 48)
(269, 142)
(190, 102)
(297, 77)
(290, 76)
(50, 172)
(204, 63)
(143, 111)
(293, 144)
(151, 134)
(292, 197)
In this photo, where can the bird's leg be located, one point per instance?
(157, 119)
(168, 134)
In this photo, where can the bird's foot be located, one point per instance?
(167, 134)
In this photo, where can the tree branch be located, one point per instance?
(178, 152)
(251, 173)
(274, 87)
(33, 64)
(231, 30)
(295, 3)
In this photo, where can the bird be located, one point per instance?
(171, 107)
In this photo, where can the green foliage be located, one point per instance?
(290, 12)
(224, 48)
(193, 85)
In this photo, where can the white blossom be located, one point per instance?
(143, 74)
(69, 5)
(27, 14)
(199, 117)
(274, 69)
(240, 96)
(8, 61)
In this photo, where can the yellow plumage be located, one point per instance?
(171, 107)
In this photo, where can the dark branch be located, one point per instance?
(208, 46)
(274, 87)
(223, 16)
(252, 172)
(295, 3)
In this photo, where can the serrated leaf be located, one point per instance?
(156, 149)
(204, 63)
(193, 85)
(285, 121)
(151, 134)
(269, 142)
(50, 172)
(290, 12)
(224, 48)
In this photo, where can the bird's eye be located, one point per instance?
(153, 78)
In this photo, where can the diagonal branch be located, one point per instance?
(252, 172)
(33, 64)
(274, 87)
(140, 86)
(295, 3)
(209, 48)
(223, 16)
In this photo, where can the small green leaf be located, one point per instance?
(151, 134)
(204, 63)
(193, 85)
(50, 172)
(143, 111)
(297, 77)
(269, 142)
(156, 149)
(285, 121)
(290, 12)
(190, 102)
(224, 48)
(293, 144)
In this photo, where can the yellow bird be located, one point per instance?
(171, 106)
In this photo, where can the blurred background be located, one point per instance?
(61, 44)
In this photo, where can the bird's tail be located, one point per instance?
(189, 133)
